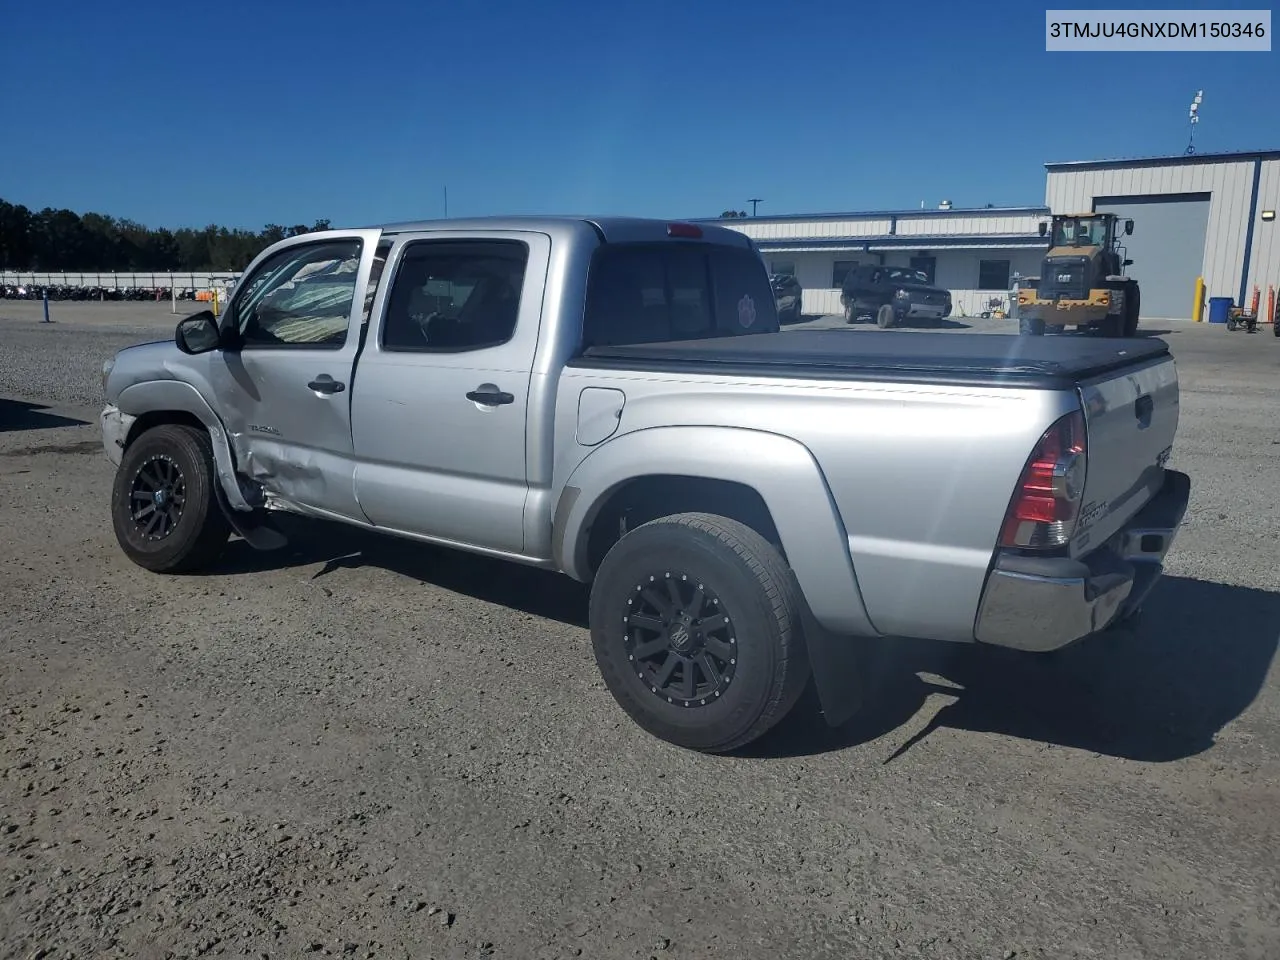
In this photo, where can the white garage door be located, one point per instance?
(1167, 248)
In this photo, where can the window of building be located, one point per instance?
(993, 274)
(451, 296)
(786, 268)
(840, 269)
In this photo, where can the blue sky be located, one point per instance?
(243, 113)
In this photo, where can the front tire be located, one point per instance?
(1031, 327)
(163, 506)
(885, 317)
(695, 624)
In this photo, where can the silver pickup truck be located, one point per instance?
(613, 399)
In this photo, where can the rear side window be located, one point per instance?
(450, 296)
(650, 293)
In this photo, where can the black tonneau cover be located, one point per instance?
(1053, 362)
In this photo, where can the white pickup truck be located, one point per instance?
(613, 399)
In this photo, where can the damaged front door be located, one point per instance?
(284, 379)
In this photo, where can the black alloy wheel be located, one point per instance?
(680, 639)
(157, 497)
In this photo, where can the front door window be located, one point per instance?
(300, 297)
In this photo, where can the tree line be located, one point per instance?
(58, 241)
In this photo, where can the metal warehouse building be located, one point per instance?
(1209, 215)
(1199, 215)
(974, 253)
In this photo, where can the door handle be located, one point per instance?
(326, 384)
(1143, 407)
(491, 397)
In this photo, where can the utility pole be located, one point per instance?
(1194, 115)
(446, 201)
(753, 201)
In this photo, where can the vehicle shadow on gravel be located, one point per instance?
(20, 415)
(337, 546)
(946, 324)
(1196, 662)
(1142, 334)
(925, 325)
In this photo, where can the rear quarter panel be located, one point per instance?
(921, 476)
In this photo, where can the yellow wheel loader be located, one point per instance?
(1082, 281)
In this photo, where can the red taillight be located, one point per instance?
(1042, 513)
(688, 231)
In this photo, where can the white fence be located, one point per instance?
(119, 281)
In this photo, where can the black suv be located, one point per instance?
(891, 295)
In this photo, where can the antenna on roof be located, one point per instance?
(1194, 116)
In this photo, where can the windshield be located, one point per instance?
(906, 275)
(1080, 232)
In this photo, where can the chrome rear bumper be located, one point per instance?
(1041, 604)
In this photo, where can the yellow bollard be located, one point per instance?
(1197, 308)
(215, 301)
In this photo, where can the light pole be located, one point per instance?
(1194, 116)
(753, 201)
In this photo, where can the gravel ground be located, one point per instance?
(372, 749)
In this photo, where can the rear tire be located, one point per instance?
(1112, 327)
(723, 665)
(163, 505)
(1031, 327)
(849, 314)
(1132, 307)
(885, 317)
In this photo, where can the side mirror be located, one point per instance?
(1128, 227)
(1128, 263)
(1044, 228)
(198, 333)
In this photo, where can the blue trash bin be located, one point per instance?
(1219, 309)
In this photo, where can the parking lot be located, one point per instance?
(370, 748)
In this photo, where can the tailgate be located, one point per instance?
(1131, 417)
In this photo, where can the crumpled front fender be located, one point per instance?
(160, 395)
